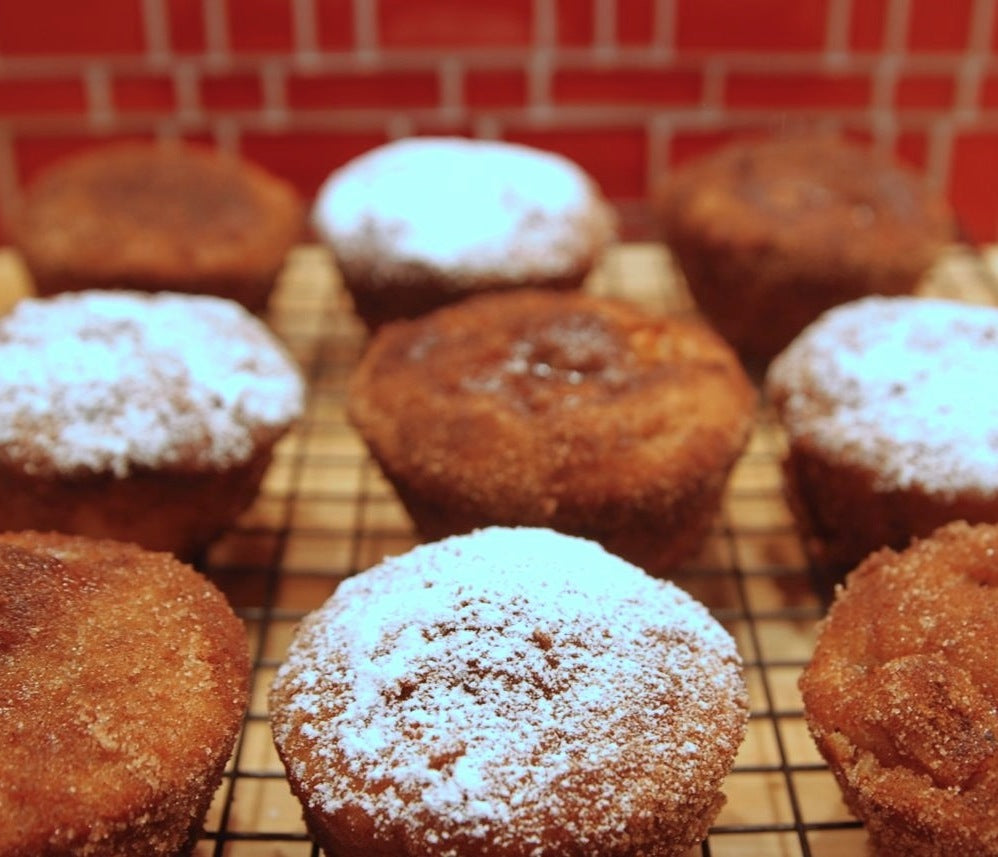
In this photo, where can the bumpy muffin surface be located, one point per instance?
(158, 217)
(771, 232)
(556, 409)
(123, 681)
(902, 692)
(509, 692)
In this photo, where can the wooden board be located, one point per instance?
(325, 512)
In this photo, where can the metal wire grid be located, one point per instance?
(325, 513)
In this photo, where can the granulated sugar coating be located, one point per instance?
(509, 692)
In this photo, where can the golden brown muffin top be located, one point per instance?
(553, 398)
(122, 674)
(902, 690)
(158, 212)
(810, 196)
(509, 692)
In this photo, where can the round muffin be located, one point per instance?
(124, 678)
(506, 693)
(901, 695)
(425, 221)
(556, 409)
(890, 406)
(770, 233)
(141, 417)
(158, 218)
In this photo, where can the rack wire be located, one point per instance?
(325, 512)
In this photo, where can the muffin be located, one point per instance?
(901, 695)
(890, 406)
(556, 409)
(158, 218)
(510, 691)
(124, 678)
(425, 221)
(770, 233)
(141, 417)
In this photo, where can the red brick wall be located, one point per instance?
(626, 87)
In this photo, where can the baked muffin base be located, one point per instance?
(176, 512)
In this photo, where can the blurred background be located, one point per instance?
(625, 87)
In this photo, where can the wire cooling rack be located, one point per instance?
(325, 512)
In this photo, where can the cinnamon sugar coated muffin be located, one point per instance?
(509, 692)
(559, 409)
(771, 232)
(146, 418)
(123, 678)
(901, 695)
(425, 221)
(890, 406)
(158, 217)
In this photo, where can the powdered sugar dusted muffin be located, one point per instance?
(771, 232)
(124, 678)
(901, 695)
(146, 418)
(158, 217)
(511, 691)
(424, 221)
(891, 414)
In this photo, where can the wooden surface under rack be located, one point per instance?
(325, 512)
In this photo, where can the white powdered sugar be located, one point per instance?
(105, 381)
(452, 203)
(504, 683)
(905, 386)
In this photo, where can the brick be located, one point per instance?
(455, 23)
(144, 93)
(633, 86)
(934, 26)
(306, 158)
(185, 20)
(484, 88)
(989, 91)
(334, 21)
(261, 26)
(635, 22)
(576, 23)
(972, 179)
(42, 96)
(763, 25)
(797, 90)
(231, 91)
(925, 92)
(58, 27)
(868, 25)
(912, 149)
(377, 89)
(614, 156)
